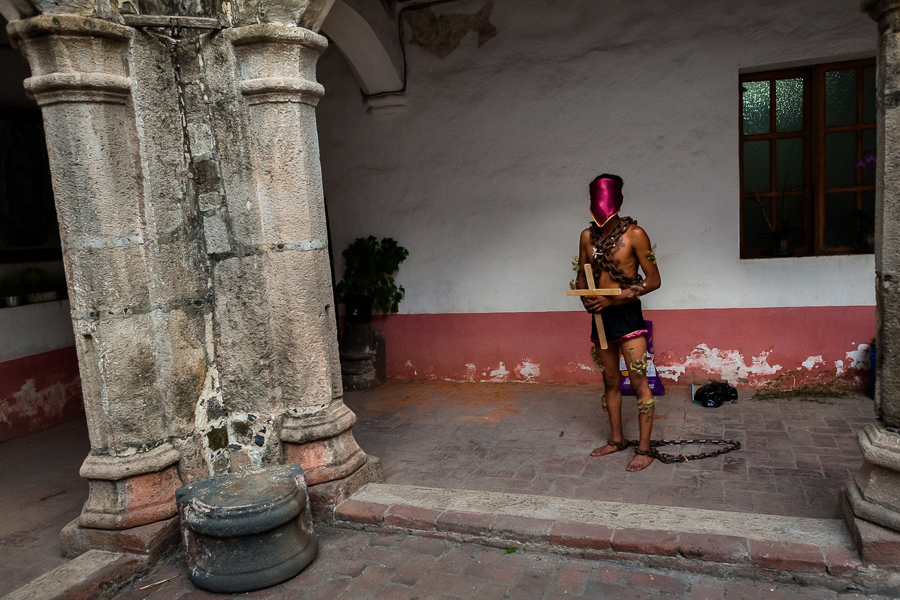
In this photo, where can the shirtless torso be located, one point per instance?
(615, 256)
(629, 251)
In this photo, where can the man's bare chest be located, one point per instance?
(620, 253)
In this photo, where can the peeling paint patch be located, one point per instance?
(671, 372)
(729, 365)
(409, 365)
(441, 34)
(500, 373)
(528, 370)
(813, 361)
(39, 391)
(859, 358)
(839, 368)
(470, 371)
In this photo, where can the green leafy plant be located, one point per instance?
(371, 265)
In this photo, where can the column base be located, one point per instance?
(327, 459)
(131, 502)
(324, 497)
(153, 540)
(126, 492)
(876, 545)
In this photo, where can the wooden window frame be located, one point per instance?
(813, 134)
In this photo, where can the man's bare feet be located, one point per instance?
(640, 461)
(610, 447)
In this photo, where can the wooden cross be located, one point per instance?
(594, 291)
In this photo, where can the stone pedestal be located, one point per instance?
(363, 357)
(247, 532)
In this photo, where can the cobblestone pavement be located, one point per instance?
(356, 565)
(535, 439)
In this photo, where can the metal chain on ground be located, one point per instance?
(679, 458)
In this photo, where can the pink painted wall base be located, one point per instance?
(746, 347)
(39, 391)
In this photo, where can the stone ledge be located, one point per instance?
(811, 551)
(95, 575)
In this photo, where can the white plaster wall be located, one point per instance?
(35, 328)
(484, 176)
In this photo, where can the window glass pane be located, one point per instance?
(756, 232)
(840, 97)
(789, 164)
(756, 107)
(869, 94)
(867, 221)
(789, 105)
(792, 219)
(840, 159)
(840, 219)
(756, 166)
(868, 208)
(869, 143)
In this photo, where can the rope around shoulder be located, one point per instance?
(731, 445)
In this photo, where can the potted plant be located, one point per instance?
(368, 281)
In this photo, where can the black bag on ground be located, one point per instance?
(715, 394)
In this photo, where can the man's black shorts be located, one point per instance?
(621, 322)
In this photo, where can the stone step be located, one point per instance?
(95, 575)
(811, 551)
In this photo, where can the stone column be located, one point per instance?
(81, 82)
(872, 499)
(280, 238)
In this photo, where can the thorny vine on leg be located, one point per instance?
(638, 365)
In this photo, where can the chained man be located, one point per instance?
(616, 247)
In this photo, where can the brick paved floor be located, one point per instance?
(41, 492)
(356, 565)
(535, 439)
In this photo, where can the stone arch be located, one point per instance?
(367, 36)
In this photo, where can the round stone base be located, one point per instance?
(245, 532)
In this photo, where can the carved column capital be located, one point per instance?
(72, 44)
(277, 63)
(78, 87)
(882, 11)
(282, 89)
